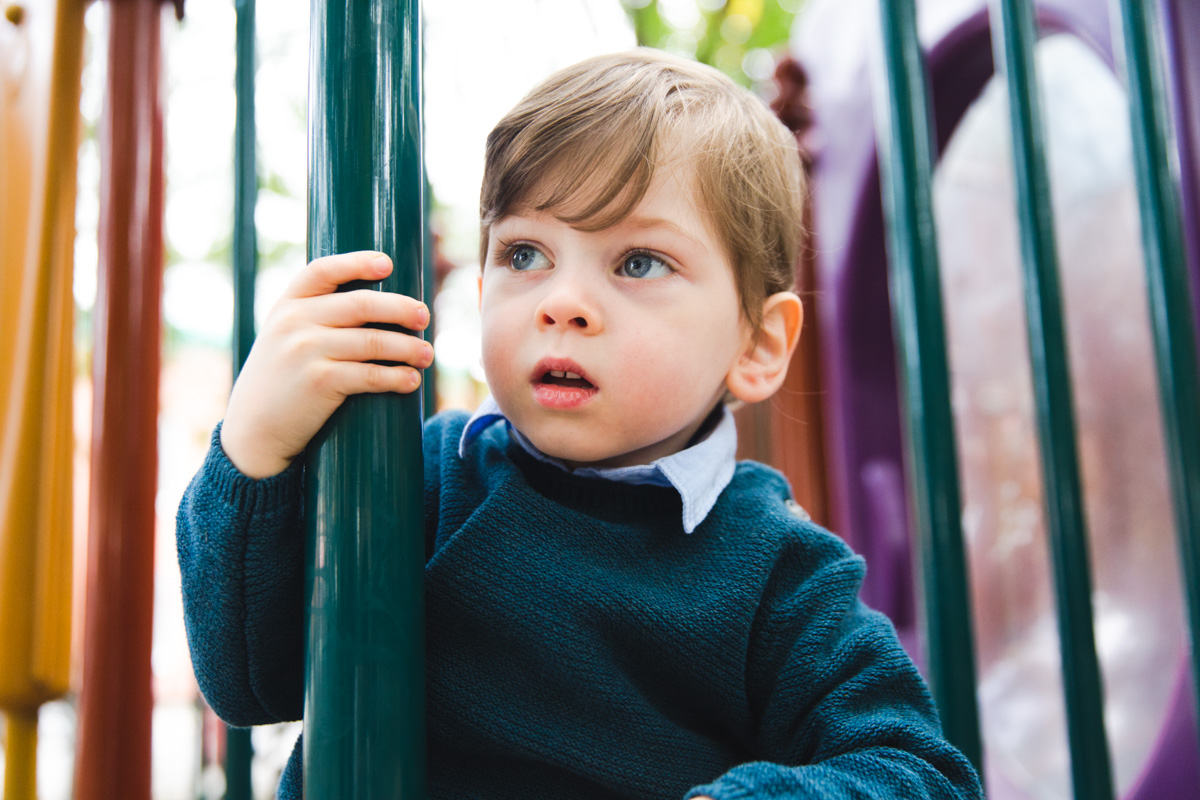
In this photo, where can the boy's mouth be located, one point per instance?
(556, 377)
(561, 384)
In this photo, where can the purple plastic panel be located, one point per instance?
(833, 42)
(855, 314)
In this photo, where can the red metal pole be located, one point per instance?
(115, 701)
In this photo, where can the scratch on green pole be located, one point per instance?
(364, 708)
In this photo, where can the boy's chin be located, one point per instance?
(577, 454)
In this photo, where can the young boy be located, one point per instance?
(615, 609)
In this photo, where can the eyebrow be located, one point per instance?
(642, 223)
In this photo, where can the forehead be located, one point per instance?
(607, 192)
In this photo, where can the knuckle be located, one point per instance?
(376, 343)
(318, 267)
(287, 318)
(302, 343)
(376, 378)
(364, 304)
(322, 378)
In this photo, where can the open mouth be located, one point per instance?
(561, 384)
(555, 377)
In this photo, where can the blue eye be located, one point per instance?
(525, 257)
(644, 265)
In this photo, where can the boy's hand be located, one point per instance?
(313, 352)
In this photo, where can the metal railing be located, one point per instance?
(906, 156)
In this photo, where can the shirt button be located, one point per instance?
(797, 510)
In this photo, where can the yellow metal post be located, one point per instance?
(41, 47)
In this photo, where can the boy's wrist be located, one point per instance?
(252, 461)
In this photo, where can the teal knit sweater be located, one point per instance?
(580, 645)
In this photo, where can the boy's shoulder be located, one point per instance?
(758, 489)
(759, 501)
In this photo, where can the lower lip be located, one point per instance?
(549, 395)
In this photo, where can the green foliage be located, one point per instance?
(742, 38)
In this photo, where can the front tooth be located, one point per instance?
(555, 373)
(572, 376)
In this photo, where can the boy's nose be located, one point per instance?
(567, 305)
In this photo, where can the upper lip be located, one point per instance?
(559, 365)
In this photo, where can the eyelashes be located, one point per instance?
(635, 263)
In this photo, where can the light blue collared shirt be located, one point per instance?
(699, 473)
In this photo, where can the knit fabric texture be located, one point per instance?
(579, 644)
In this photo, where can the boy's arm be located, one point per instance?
(241, 544)
(841, 710)
(240, 533)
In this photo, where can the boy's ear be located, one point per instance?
(760, 370)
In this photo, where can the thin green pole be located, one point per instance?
(364, 721)
(239, 751)
(1167, 284)
(245, 188)
(1014, 35)
(428, 270)
(905, 156)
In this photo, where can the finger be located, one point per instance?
(324, 275)
(376, 344)
(354, 377)
(353, 309)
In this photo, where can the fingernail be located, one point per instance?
(429, 352)
(423, 314)
(381, 263)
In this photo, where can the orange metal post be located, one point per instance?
(115, 702)
(40, 63)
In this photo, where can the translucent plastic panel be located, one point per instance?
(1139, 616)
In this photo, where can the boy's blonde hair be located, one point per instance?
(585, 143)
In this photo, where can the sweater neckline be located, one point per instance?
(594, 494)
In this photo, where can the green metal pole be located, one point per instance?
(245, 188)
(239, 751)
(1167, 284)
(1014, 34)
(905, 156)
(428, 271)
(364, 721)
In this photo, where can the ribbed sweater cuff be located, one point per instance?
(257, 495)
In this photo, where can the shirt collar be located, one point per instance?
(699, 473)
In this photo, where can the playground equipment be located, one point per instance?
(115, 700)
(866, 449)
(364, 702)
(41, 50)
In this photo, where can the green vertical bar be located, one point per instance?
(239, 751)
(239, 755)
(245, 188)
(428, 267)
(1014, 35)
(1167, 284)
(364, 722)
(905, 157)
